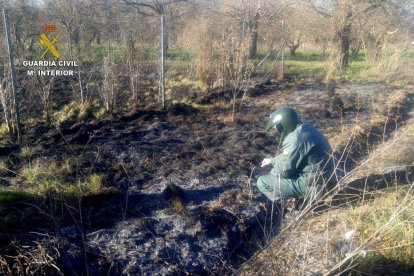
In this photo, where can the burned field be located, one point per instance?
(178, 191)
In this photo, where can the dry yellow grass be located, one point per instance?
(177, 205)
(351, 238)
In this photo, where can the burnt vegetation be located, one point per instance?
(96, 177)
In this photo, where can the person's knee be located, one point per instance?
(261, 184)
(265, 188)
(259, 181)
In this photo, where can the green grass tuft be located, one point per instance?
(12, 196)
(396, 241)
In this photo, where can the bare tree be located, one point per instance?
(74, 16)
(25, 24)
(153, 8)
(11, 97)
(343, 14)
(248, 14)
(357, 36)
(295, 29)
(253, 27)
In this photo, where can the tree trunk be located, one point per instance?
(293, 46)
(355, 49)
(5, 101)
(17, 35)
(339, 56)
(130, 42)
(344, 41)
(98, 38)
(379, 45)
(76, 39)
(31, 44)
(254, 35)
(324, 46)
(15, 100)
(90, 40)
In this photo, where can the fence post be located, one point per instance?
(12, 74)
(163, 61)
(282, 71)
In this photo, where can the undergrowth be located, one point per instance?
(393, 213)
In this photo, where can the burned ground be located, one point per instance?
(180, 194)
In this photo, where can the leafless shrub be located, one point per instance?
(207, 62)
(10, 104)
(44, 88)
(109, 89)
(6, 97)
(134, 69)
(236, 68)
(82, 86)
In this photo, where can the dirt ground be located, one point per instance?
(185, 199)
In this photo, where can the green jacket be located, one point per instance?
(306, 156)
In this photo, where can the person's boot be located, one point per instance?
(275, 212)
(292, 209)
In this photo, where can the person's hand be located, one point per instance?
(266, 162)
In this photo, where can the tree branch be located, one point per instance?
(158, 8)
(324, 13)
(139, 5)
(365, 10)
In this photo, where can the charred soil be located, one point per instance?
(179, 194)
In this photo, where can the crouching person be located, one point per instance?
(305, 168)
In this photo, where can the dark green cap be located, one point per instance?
(285, 119)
